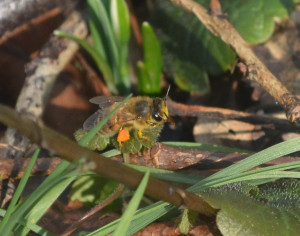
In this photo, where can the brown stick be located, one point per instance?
(257, 71)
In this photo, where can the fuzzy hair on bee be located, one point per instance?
(136, 125)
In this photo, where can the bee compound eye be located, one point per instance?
(156, 117)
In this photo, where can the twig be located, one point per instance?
(179, 109)
(14, 13)
(14, 168)
(70, 151)
(41, 75)
(257, 71)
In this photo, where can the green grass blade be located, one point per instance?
(257, 159)
(101, 62)
(142, 218)
(132, 207)
(97, 33)
(7, 218)
(24, 207)
(44, 202)
(108, 39)
(33, 227)
(119, 15)
(85, 140)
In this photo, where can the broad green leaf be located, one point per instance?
(248, 210)
(190, 50)
(254, 19)
(96, 143)
(152, 62)
(144, 85)
(188, 220)
(191, 78)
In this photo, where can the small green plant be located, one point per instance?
(110, 29)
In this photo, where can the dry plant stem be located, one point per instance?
(70, 151)
(257, 71)
(96, 82)
(95, 209)
(41, 75)
(179, 109)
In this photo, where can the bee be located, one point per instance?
(134, 126)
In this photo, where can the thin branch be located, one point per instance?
(160, 156)
(257, 71)
(70, 151)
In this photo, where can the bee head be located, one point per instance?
(160, 111)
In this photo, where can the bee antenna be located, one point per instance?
(167, 94)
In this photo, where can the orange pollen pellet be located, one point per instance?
(123, 136)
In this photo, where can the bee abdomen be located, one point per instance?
(111, 127)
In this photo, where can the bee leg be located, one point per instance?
(126, 157)
(139, 135)
(123, 135)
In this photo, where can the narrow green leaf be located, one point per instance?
(25, 206)
(33, 227)
(168, 175)
(19, 190)
(43, 203)
(132, 207)
(142, 218)
(101, 62)
(119, 15)
(96, 31)
(108, 38)
(259, 158)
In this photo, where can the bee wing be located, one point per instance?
(106, 101)
(93, 120)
